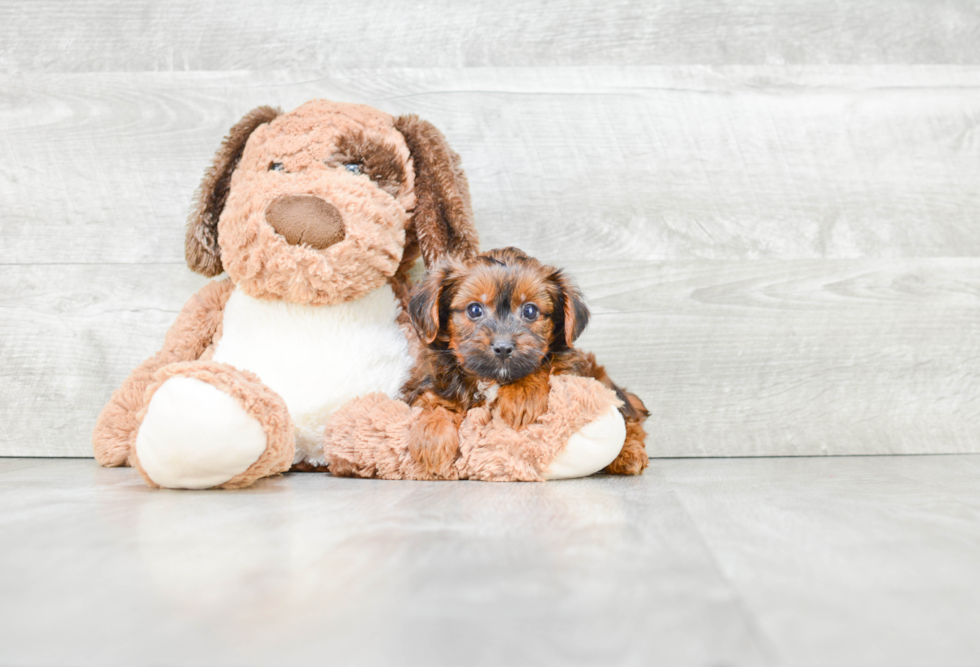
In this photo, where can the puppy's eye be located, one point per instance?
(276, 166)
(475, 311)
(353, 167)
(529, 312)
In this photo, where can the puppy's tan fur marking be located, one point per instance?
(501, 317)
(522, 402)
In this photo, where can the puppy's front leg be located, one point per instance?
(521, 403)
(433, 440)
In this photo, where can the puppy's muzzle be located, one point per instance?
(502, 348)
(306, 220)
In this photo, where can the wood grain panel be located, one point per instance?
(795, 358)
(117, 35)
(615, 163)
(733, 358)
(69, 334)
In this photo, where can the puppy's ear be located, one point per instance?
(443, 218)
(510, 255)
(201, 242)
(571, 315)
(429, 299)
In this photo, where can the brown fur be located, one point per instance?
(433, 440)
(522, 402)
(380, 160)
(306, 466)
(443, 214)
(201, 243)
(460, 352)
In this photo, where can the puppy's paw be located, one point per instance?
(433, 442)
(518, 414)
(633, 459)
(521, 403)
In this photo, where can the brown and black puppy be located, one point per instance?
(495, 328)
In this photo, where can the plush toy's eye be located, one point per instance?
(353, 167)
(276, 166)
(529, 312)
(475, 311)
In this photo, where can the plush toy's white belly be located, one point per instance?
(317, 357)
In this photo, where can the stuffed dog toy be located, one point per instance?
(317, 216)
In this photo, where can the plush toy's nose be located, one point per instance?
(305, 219)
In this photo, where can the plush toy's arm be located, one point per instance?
(581, 432)
(190, 336)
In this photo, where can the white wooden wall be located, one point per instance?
(773, 206)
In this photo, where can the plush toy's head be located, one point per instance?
(328, 202)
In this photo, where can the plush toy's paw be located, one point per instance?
(591, 448)
(581, 432)
(207, 425)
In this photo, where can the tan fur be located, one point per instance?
(368, 437)
(261, 262)
(189, 338)
(258, 401)
(493, 452)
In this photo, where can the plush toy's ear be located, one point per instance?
(201, 243)
(443, 218)
(428, 307)
(571, 315)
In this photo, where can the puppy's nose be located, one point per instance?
(305, 219)
(502, 348)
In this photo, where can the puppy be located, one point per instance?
(494, 328)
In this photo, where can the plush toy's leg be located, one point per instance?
(207, 424)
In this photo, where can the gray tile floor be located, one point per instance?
(785, 561)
